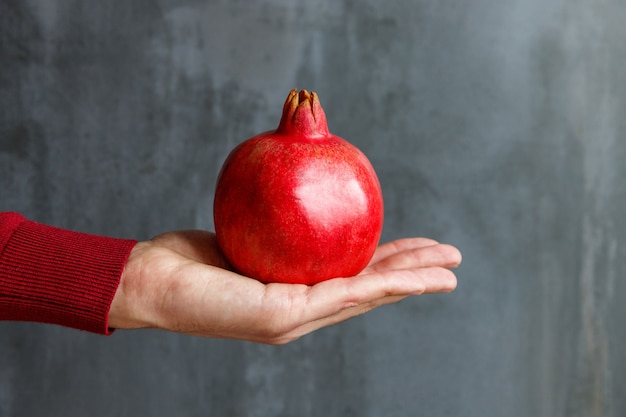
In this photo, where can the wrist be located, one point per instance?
(128, 309)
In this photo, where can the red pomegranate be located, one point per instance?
(298, 204)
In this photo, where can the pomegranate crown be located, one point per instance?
(303, 115)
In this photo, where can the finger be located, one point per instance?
(400, 245)
(333, 296)
(441, 255)
(427, 280)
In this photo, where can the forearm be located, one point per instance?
(52, 275)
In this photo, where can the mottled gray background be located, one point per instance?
(495, 125)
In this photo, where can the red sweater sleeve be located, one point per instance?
(57, 276)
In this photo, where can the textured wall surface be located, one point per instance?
(497, 126)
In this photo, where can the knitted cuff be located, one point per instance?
(57, 276)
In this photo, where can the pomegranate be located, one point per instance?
(298, 204)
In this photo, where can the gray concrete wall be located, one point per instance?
(497, 126)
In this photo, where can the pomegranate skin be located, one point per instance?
(299, 204)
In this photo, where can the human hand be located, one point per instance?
(181, 282)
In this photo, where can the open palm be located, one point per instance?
(181, 282)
